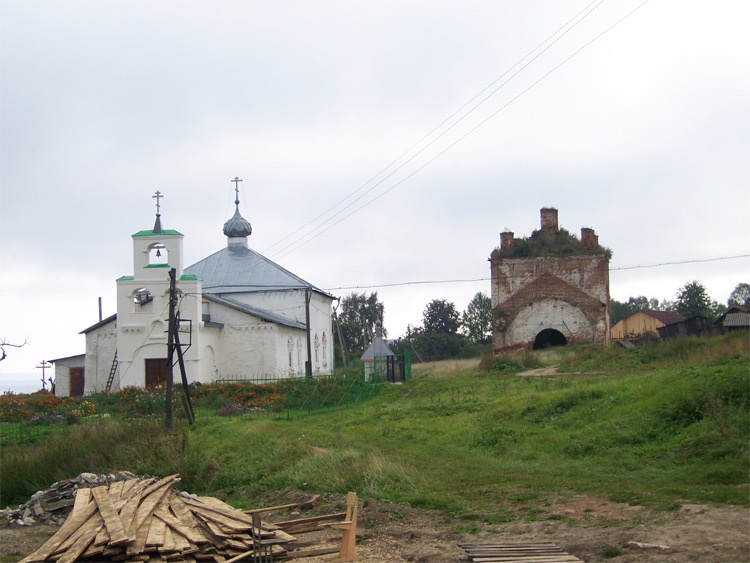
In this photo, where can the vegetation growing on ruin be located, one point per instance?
(549, 243)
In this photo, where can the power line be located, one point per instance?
(681, 262)
(474, 280)
(480, 124)
(541, 48)
(396, 284)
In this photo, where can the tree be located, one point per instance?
(4, 343)
(440, 316)
(640, 303)
(477, 319)
(632, 305)
(359, 313)
(740, 296)
(692, 300)
(438, 338)
(619, 311)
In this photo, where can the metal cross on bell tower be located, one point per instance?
(158, 195)
(157, 225)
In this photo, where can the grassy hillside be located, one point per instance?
(659, 425)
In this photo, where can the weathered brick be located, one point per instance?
(560, 299)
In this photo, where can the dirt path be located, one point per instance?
(590, 528)
(547, 370)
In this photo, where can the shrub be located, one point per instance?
(14, 408)
(46, 418)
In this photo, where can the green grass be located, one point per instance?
(657, 426)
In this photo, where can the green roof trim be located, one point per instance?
(152, 233)
(125, 278)
(157, 266)
(189, 277)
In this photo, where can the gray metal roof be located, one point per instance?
(378, 347)
(255, 311)
(237, 226)
(99, 324)
(237, 269)
(76, 357)
(736, 319)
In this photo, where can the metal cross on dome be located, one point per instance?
(158, 195)
(236, 181)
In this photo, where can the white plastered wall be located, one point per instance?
(101, 345)
(548, 314)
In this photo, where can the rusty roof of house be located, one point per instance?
(666, 317)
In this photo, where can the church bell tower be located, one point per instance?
(143, 304)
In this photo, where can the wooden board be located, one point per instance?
(529, 552)
(112, 522)
(146, 520)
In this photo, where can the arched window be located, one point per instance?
(142, 301)
(317, 346)
(141, 296)
(325, 350)
(157, 254)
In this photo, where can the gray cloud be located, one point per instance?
(641, 136)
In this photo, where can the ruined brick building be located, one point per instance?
(550, 288)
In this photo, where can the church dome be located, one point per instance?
(237, 226)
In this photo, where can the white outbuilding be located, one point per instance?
(375, 359)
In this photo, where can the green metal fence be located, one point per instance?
(393, 369)
(298, 396)
(20, 421)
(290, 397)
(43, 424)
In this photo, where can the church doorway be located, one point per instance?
(549, 337)
(77, 382)
(156, 371)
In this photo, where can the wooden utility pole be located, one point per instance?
(342, 344)
(168, 416)
(187, 402)
(308, 363)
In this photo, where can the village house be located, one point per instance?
(736, 318)
(645, 321)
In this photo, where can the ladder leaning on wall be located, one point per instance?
(112, 372)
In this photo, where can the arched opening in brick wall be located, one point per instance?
(549, 337)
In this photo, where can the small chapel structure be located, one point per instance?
(375, 360)
(241, 316)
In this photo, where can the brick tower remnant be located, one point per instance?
(550, 288)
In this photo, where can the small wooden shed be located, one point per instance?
(639, 323)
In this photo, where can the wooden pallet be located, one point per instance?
(528, 552)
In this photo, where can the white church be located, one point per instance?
(242, 316)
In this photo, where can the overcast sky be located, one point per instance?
(633, 121)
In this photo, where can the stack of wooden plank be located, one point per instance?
(147, 520)
(527, 552)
